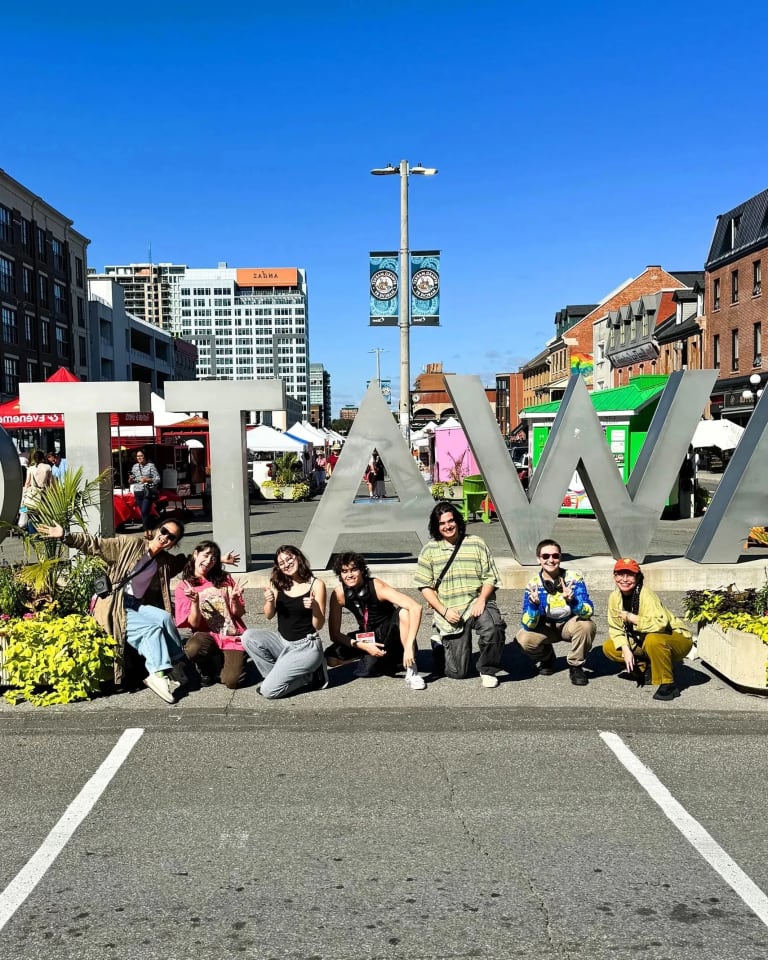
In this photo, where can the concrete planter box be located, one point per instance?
(740, 657)
(269, 493)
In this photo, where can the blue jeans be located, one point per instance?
(153, 633)
(145, 502)
(285, 665)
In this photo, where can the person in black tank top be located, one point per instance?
(387, 623)
(290, 657)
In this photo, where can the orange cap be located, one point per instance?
(627, 564)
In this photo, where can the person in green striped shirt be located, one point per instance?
(464, 598)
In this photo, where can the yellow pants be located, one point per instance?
(661, 649)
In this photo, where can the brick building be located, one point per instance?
(43, 292)
(616, 312)
(430, 399)
(734, 306)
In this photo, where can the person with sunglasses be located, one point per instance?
(642, 634)
(556, 606)
(138, 609)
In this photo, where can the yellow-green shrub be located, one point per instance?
(53, 659)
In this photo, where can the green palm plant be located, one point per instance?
(286, 469)
(65, 503)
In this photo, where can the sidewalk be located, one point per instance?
(393, 558)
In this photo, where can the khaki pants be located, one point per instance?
(661, 649)
(537, 644)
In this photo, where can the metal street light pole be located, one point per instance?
(378, 351)
(404, 321)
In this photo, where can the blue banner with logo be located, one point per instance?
(425, 288)
(384, 288)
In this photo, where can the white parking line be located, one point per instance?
(33, 872)
(691, 829)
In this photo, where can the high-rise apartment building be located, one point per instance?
(147, 289)
(319, 395)
(247, 323)
(43, 313)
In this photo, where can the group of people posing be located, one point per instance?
(456, 576)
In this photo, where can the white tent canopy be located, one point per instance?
(265, 439)
(305, 431)
(723, 434)
(450, 424)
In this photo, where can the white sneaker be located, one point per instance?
(161, 686)
(488, 680)
(414, 680)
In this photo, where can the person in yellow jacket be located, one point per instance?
(642, 633)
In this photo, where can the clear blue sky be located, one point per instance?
(576, 142)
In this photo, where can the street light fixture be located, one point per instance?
(754, 391)
(404, 321)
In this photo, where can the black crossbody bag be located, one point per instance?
(447, 566)
(103, 586)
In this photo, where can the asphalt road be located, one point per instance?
(477, 831)
(370, 821)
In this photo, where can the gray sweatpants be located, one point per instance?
(285, 665)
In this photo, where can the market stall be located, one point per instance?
(625, 414)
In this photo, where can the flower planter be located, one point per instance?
(285, 493)
(740, 657)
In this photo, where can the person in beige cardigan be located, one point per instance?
(138, 611)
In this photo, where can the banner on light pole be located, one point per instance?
(386, 389)
(425, 288)
(385, 289)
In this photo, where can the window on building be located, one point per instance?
(43, 290)
(62, 341)
(45, 335)
(26, 235)
(733, 232)
(80, 312)
(716, 293)
(11, 375)
(28, 283)
(30, 330)
(734, 349)
(31, 371)
(7, 279)
(757, 278)
(757, 344)
(59, 298)
(734, 286)
(42, 253)
(57, 249)
(83, 348)
(79, 274)
(10, 330)
(6, 225)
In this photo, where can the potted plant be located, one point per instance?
(451, 487)
(732, 632)
(51, 649)
(287, 483)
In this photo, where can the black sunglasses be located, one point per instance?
(165, 532)
(549, 556)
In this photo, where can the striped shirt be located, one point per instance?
(472, 568)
